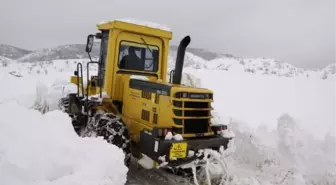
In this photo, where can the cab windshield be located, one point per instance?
(136, 56)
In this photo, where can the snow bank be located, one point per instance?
(284, 127)
(33, 91)
(21, 90)
(256, 100)
(44, 149)
(266, 150)
(286, 155)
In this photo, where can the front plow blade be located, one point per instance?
(208, 158)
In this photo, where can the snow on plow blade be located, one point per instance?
(188, 154)
(181, 152)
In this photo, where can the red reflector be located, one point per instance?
(164, 131)
(160, 132)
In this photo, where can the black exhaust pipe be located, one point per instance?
(180, 60)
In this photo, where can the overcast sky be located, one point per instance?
(301, 32)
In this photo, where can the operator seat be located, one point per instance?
(131, 61)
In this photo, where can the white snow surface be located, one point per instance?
(142, 23)
(227, 133)
(169, 136)
(139, 77)
(4, 61)
(178, 137)
(146, 162)
(284, 128)
(43, 149)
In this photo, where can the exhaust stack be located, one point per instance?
(180, 60)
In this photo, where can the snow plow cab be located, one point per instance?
(134, 104)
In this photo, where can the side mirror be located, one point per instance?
(89, 43)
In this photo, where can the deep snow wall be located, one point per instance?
(43, 149)
(284, 127)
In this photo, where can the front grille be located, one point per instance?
(196, 126)
(177, 103)
(196, 113)
(200, 121)
(199, 105)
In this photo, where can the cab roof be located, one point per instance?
(143, 27)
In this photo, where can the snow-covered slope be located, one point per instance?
(263, 66)
(284, 126)
(329, 71)
(72, 51)
(283, 116)
(4, 61)
(40, 149)
(196, 58)
(203, 53)
(12, 52)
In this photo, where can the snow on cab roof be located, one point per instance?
(141, 23)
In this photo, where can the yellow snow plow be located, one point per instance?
(132, 104)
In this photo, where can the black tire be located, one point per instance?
(77, 119)
(63, 104)
(115, 132)
(107, 125)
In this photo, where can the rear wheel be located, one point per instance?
(107, 125)
(111, 128)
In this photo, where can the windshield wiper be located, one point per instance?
(147, 45)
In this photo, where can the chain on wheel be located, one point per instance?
(110, 127)
(63, 104)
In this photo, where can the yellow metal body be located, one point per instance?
(142, 110)
(135, 101)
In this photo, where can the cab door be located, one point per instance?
(146, 62)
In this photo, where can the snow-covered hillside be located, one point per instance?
(284, 126)
(263, 66)
(195, 58)
(4, 61)
(12, 52)
(283, 118)
(72, 51)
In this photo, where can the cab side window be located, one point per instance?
(103, 54)
(139, 57)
